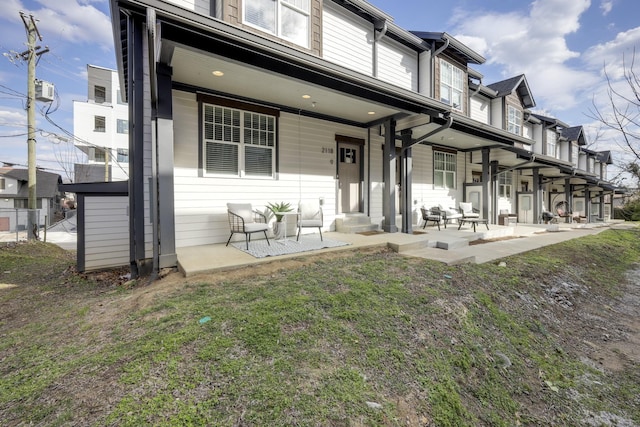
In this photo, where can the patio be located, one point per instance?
(450, 246)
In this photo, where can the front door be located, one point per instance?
(349, 179)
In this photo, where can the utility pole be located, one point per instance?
(31, 55)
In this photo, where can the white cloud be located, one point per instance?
(606, 6)
(532, 42)
(615, 54)
(75, 21)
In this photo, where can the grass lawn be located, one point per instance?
(360, 338)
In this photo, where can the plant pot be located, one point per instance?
(278, 230)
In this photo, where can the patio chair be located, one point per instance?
(244, 219)
(468, 211)
(447, 214)
(310, 215)
(562, 209)
(431, 215)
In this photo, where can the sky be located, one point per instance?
(562, 46)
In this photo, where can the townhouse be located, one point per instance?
(329, 101)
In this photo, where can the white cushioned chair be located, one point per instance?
(467, 210)
(309, 215)
(244, 219)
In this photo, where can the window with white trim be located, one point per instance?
(514, 120)
(444, 170)
(451, 85)
(99, 94)
(2, 184)
(99, 124)
(288, 19)
(238, 143)
(551, 147)
(505, 184)
(122, 125)
(122, 155)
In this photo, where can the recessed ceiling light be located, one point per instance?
(217, 73)
(306, 96)
(371, 113)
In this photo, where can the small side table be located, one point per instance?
(286, 215)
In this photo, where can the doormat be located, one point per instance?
(260, 248)
(370, 233)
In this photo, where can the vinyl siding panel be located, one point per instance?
(397, 64)
(479, 109)
(148, 158)
(305, 173)
(106, 232)
(347, 40)
(199, 6)
(423, 191)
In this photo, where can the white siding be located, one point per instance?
(480, 109)
(306, 173)
(424, 82)
(423, 191)
(199, 6)
(106, 232)
(527, 130)
(148, 156)
(397, 64)
(347, 40)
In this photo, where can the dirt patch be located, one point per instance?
(497, 239)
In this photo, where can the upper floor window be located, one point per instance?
(288, 19)
(123, 126)
(99, 124)
(505, 184)
(2, 184)
(122, 155)
(551, 147)
(238, 143)
(99, 155)
(514, 120)
(451, 85)
(444, 170)
(99, 94)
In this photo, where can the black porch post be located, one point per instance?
(537, 200)
(569, 197)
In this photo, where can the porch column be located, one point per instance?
(494, 192)
(537, 202)
(164, 170)
(486, 177)
(389, 177)
(406, 181)
(136, 100)
(601, 212)
(587, 204)
(568, 197)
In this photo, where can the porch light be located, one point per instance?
(306, 96)
(371, 113)
(217, 73)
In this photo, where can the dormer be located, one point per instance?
(552, 144)
(575, 138)
(603, 159)
(450, 61)
(513, 98)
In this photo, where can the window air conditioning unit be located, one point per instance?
(44, 91)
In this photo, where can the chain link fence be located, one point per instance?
(14, 224)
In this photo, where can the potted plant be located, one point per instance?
(276, 210)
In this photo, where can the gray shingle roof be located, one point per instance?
(517, 84)
(46, 182)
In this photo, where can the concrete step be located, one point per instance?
(354, 223)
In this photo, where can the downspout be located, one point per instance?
(153, 83)
(378, 32)
(433, 64)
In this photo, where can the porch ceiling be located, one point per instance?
(195, 68)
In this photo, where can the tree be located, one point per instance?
(620, 117)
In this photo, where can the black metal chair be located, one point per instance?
(431, 215)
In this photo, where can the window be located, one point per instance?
(99, 155)
(551, 147)
(514, 120)
(2, 184)
(123, 126)
(123, 155)
(238, 143)
(444, 169)
(451, 85)
(24, 203)
(288, 19)
(99, 94)
(505, 184)
(99, 124)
